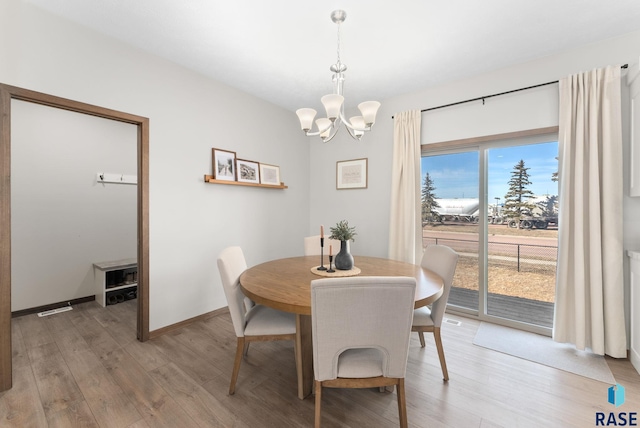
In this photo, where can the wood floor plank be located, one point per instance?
(76, 415)
(38, 331)
(21, 406)
(56, 385)
(122, 330)
(65, 334)
(97, 337)
(19, 354)
(110, 406)
(198, 367)
(203, 408)
(148, 356)
(157, 407)
(249, 407)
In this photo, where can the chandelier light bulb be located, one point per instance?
(332, 104)
(324, 126)
(358, 123)
(369, 110)
(306, 116)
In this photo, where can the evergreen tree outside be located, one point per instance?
(517, 198)
(549, 207)
(429, 200)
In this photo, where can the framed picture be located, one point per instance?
(248, 171)
(351, 174)
(269, 174)
(224, 165)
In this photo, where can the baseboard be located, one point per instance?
(43, 308)
(159, 332)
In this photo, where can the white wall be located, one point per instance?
(190, 221)
(63, 221)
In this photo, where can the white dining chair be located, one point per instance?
(312, 245)
(251, 322)
(443, 261)
(354, 344)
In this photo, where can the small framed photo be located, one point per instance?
(248, 171)
(269, 174)
(224, 165)
(351, 174)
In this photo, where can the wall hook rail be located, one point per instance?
(118, 178)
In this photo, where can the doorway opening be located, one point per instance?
(9, 93)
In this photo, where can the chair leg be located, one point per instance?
(318, 401)
(421, 336)
(402, 404)
(246, 348)
(443, 363)
(236, 365)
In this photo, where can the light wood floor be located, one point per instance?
(84, 368)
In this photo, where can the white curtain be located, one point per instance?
(589, 308)
(405, 228)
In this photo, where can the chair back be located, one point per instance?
(361, 313)
(441, 260)
(312, 245)
(231, 263)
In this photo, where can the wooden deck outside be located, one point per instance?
(515, 308)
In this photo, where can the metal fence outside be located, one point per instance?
(521, 257)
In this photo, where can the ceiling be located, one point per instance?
(281, 50)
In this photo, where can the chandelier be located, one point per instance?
(327, 127)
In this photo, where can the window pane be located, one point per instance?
(450, 217)
(522, 232)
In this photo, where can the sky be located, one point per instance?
(456, 175)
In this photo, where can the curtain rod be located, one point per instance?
(495, 95)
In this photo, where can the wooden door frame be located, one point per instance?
(8, 93)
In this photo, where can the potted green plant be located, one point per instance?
(344, 233)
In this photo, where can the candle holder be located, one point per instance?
(321, 267)
(330, 267)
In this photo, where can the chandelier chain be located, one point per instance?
(339, 43)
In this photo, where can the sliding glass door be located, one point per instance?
(496, 205)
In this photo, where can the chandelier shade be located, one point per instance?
(333, 103)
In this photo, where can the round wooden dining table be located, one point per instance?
(285, 284)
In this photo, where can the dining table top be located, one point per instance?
(285, 284)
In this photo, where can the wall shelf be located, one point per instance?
(210, 179)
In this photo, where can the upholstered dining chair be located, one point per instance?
(354, 344)
(312, 245)
(251, 322)
(441, 260)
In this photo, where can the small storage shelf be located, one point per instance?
(116, 281)
(210, 179)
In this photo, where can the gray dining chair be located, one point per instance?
(354, 344)
(312, 245)
(443, 261)
(251, 322)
